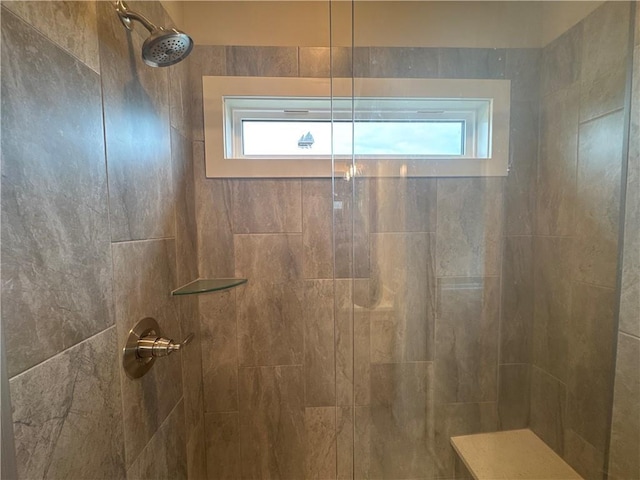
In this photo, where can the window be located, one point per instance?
(301, 127)
(279, 127)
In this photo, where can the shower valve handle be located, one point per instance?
(146, 343)
(154, 346)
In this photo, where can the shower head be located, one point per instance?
(164, 47)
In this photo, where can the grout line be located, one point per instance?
(265, 234)
(590, 284)
(533, 365)
(225, 412)
(237, 376)
(53, 42)
(630, 335)
(246, 367)
(62, 352)
(157, 431)
(140, 240)
(599, 117)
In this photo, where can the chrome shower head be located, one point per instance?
(164, 47)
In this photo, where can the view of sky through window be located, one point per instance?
(389, 137)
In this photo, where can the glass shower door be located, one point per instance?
(465, 289)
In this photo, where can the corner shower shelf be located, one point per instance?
(206, 285)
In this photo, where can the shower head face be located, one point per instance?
(166, 47)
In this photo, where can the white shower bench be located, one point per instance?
(511, 455)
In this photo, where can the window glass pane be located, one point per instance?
(286, 137)
(409, 138)
(306, 138)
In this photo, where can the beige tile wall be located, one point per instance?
(98, 220)
(624, 461)
(382, 317)
(576, 236)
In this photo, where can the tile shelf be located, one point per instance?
(207, 285)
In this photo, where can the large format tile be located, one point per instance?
(137, 133)
(516, 313)
(469, 226)
(630, 284)
(361, 358)
(315, 62)
(452, 419)
(605, 38)
(262, 61)
(269, 313)
(467, 339)
(513, 396)
(624, 461)
(184, 191)
(402, 323)
(401, 420)
(320, 450)
(344, 443)
(266, 206)
(598, 191)
(325, 62)
(361, 64)
(548, 409)
(471, 62)
(562, 61)
(268, 258)
(522, 67)
(353, 364)
(552, 304)
(56, 261)
(637, 29)
(604, 94)
(219, 351)
(192, 377)
(403, 62)
(269, 308)
(204, 60)
(165, 456)
(70, 25)
(520, 185)
(319, 343)
(180, 97)
(270, 323)
(153, 10)
(361, 426)
(344, 347)
(196, 453)
(583, 457)
(144, 275)
(70, 404)
(317, 228)
(557, 163)
(591, 362)
(223, 446)
(402, 205)
(351, 227)
(213, 221)
(272, 427)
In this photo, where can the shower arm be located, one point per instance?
(127, 15)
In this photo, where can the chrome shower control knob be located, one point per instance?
(153, 346)
(144, 345)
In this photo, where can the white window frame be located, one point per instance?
(221, 128)
(472, 113)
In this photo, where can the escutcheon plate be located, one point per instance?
(135, 366)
